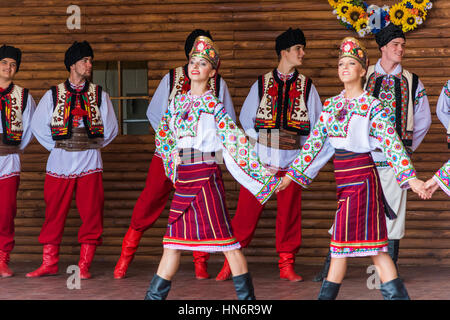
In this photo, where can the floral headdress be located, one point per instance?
(351, 47)
(205, 48)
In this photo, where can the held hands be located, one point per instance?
(285, 182)
(418, 186)
(431, 185)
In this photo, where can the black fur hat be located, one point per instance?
(289, 38)
(76, 52)
(387, 34)
(12, 53)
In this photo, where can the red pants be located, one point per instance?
(153, 198)
(288, 221)
(89, 198)
(8, 209)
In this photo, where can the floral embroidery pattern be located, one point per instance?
(447, 90)
(12, 114)
(238, 146)
(443, 177)
(62, 111)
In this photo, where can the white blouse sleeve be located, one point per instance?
(225, 98)
(247, 116)
(27, 116)
(109, 120)
(422, 116)
(159, 103)
(40, 123)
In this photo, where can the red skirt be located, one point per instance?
(198, 217)
(360, 225)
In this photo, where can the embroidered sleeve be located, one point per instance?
(443, 106)
(315, 153)
(391, 145)
(442, 177)
(241, 159)
(420, 95)
(446, 89)
(165, 143)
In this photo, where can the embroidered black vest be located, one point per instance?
(405, 90)
(64, 99)
(287, 101)
(13, 103)
(180, 82)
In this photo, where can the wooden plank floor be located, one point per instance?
(423, 283)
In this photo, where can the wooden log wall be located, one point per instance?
(154, 31)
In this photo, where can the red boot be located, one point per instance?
(4, 260)
(286, 265)
(129, 246)
(50, 258)
(225, 273)
(201, 265)
(87, 252)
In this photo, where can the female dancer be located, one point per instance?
(351, 125)
(193, 129)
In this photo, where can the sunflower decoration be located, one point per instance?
(342, 9)
(335, 3)
(420, 15)
(366, 18)
(361, 26)
(409, 23)
(420, 4)
(354, 13)
(398, 14)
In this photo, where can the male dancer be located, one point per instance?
(279, 111)
(404, 98)
(153, 198)
(17, 108)
(73, 121)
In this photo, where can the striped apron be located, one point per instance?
(198, 217)
(359, 225)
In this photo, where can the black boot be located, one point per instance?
(324, 272)
(329, 290)
(394, 290)
(158, 289)
(393, 248)
(244, 287)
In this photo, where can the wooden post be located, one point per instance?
(120, 104)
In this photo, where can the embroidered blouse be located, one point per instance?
(72, 164)
(359, 125)
(202, 123)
